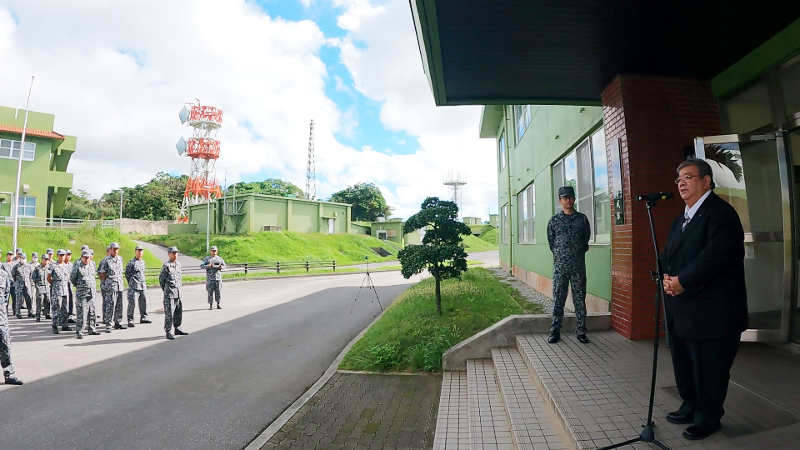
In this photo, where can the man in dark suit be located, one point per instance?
(706, 298)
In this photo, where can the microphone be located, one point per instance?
(654, 197)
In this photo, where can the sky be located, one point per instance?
(116, 75)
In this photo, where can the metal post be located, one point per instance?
(208, 223)
(15, 211)
(120, 209)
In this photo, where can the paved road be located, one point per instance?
(217, 388)
(161, 253)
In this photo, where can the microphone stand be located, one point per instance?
(647, 434)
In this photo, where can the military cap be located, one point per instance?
(113, 245)
(86, 252)
(19, 250)
(566, 191)
(23, 256)
(61, 251)
(214, 247)
(69, 252)
(138, 247)
(172, 250)
(84, 247)
(45, 256)
(91, 252)
(49, 251)
(34, 255)
(10, 252)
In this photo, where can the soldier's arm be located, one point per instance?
(550, 234)
(101, 271)
(587, 233)
(222, 264)
(162, 277)
(204, 263)
(50, 277)
(73, 277)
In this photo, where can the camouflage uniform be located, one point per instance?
(170, 281)
(39, 277)
(112, 289)
(70, 292)
(213, 277)
(11, 295)
(569, 236)
(59, 299)
(24, 289)
(137, 287)
(5, 337)
(83, 278)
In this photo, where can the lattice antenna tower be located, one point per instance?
(203, 149)
(311, 171)
(455, 182)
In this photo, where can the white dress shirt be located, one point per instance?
(690, 212)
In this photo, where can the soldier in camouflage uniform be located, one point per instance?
(59, 300)
(70, 288)
(7, 267)
(39, 277)
(137, 286)
(568, 233)
(213, 264)
(5, 337)
(50, 266)
(110, 271)
(83, 277)
(170, 281)
(22, 283)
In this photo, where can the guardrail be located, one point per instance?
(254, 267)
(56, 224)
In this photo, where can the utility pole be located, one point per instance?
(120, 208)
(311, 175)
(15, 210)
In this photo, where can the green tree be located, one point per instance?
(158, 199)
(80, 205)
(271, 186)
(367, 200)
(441, 251)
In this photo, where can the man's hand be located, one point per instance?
(672, 286)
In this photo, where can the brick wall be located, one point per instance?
(653, 118)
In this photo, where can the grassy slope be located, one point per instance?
(38, 240)
(285, 246)
(412, 337)
(476, 244)
(490, 236)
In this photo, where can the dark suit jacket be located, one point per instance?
(708, 258)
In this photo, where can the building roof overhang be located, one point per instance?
(567, 51)
(31, 132)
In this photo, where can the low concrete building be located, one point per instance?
(472, 220)
(393, 231)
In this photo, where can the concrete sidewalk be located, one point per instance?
(161, 253)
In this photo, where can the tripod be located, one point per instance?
(647, 434)
(367, 281)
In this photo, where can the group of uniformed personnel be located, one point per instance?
(51, 284)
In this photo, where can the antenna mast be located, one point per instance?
(311, 176)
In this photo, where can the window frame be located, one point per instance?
(501, 143)
(13, 148)
(23, 204)
(522, 120)
(504, 227)
(526, 215)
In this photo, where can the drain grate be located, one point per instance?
(748, 413)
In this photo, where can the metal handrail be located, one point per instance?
(55, 223)
(255, 266)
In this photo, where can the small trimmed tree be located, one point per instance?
(441, 251)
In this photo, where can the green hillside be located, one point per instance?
(285, 246)
(490, 236)
(38, 240)
(475, 244)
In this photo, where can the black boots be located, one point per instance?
(11, 379)
(555, 336)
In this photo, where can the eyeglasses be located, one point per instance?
(686, 178)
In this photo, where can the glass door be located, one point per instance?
(751, 172)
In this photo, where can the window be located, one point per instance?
(586, 170)
(10, 149)
(504, 237)
(502, 150)
(522, 118)
(526, 212)
(27, 206)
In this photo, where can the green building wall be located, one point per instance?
(554, 131)
(46, 175)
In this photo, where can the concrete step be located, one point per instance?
(488, 422)
(452, 421)
(533, 426)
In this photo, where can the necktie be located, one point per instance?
(686, 220)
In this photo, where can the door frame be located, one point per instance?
(790, 265)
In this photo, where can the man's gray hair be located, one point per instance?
(703, 169)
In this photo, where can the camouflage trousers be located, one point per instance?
(112, 307)
(86, 314)
(132, 295)
(58, 309)
(22, 296)
(42, 301)
(213, 288)
(5, 349)
(561, 283)
(173, 313)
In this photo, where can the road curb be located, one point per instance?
(287, 414)
(283, 277)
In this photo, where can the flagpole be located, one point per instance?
(15, 209)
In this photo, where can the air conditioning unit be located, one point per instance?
(271, 228)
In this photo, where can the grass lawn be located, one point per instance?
(475, 244)
(490, 236)
(285, 246)
(412, 337)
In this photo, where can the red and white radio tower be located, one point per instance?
(203, 149)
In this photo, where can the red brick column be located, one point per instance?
(653, 119)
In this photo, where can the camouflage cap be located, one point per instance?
(214, 247)
(86, 253)
(19, 250)
(172, 250)
(113, 245)
(91, 252)
(69, 252)
(61, 251)
(84, 247)
(34, 255)
(10, 252)
(45, 257)
(138, 247)
(566, 191)
(23, 256)
(49, 251)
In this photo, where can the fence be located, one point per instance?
(55, 224)
(254, 267)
